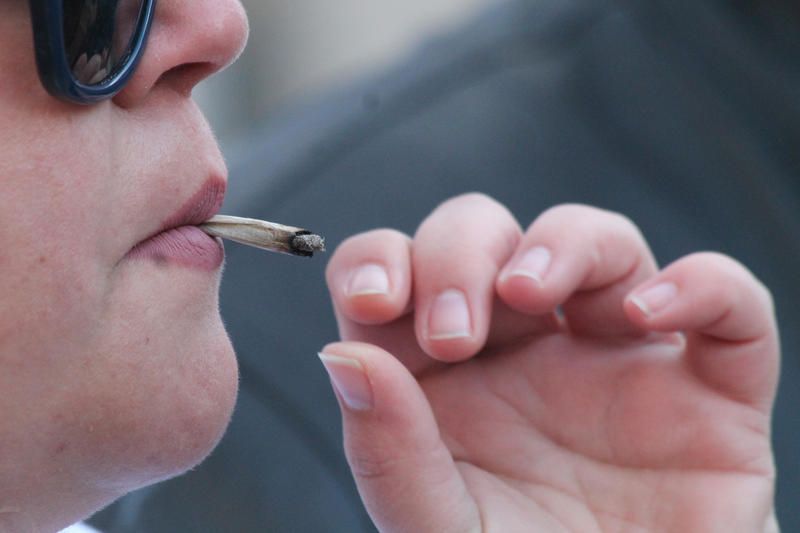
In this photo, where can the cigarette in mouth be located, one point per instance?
(265, 235)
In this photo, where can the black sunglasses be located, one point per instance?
(87, 50)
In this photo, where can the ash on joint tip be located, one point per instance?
(309, 243)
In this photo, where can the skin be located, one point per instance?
(115, 373)
(118, 373)
(611, 416)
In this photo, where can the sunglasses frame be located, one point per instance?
(47, 19)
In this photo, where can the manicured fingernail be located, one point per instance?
(349, 380)
(656, 298)
(368, 279)
(533, 264)
(449, 317)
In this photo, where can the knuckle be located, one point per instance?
(381, 235)
(369, 465)
(471, 224)
(557, 214)
(625, 224)
(386, 237)
(371, 455)
(710, 258)
(610, 227)
(729, 277)
(372, 240)
(475, 198)
(568, 211)
(719, 265)
(472, 203)
(589, 219)
(603, 237)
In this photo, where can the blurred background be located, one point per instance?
(304, 48)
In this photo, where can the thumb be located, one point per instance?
(405, 474)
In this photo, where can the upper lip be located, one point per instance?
(202, 205)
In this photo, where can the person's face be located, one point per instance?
(115, 368)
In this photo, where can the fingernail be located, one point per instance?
(656, 298)
(368, 279)
(350, 381)
(449, 317)
(533, 264)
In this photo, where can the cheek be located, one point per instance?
(54, 191)
(20, 82)
(53, 286)
(51, 311)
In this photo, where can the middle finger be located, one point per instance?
(457, 252)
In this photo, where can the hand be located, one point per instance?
(554, 380)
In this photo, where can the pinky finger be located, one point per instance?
(727, 316)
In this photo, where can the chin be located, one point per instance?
(202, 403)
(195, 411)
(160, 412)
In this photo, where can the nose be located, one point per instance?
(189, 41)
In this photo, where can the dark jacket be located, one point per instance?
(682, 114)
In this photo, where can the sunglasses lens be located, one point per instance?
(98, 36)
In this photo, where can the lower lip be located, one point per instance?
(187, 246)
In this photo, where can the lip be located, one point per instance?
(179, 241)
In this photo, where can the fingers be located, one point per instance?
(452, 264)
(458, 252)
(369, 276)
(584, 259)
(728, 317)
(589, 259)
(406, 476)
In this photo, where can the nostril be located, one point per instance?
(186, 46)
(183, 78)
